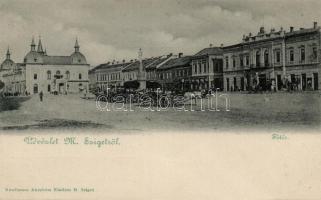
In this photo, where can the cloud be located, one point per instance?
(116, 29)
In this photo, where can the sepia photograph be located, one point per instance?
(152, 65)
(158, 85)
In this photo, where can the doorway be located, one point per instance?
(61, 87)
(304, 81)
(35, 88)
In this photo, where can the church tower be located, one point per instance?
(40, 49)
(76, 46)
(8, 54)
(33, 45)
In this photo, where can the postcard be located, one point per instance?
(160, 99)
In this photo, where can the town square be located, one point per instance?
(267, 79)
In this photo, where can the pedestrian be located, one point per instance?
(41, 95)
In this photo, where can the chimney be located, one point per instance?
(222, 45)
(180, 55)
(131, 60)
(169, 55)
(124, 61)
(250, 34)
(291, 29)
(211, 45)
(315, 24)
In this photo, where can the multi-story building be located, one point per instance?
(175, 74)
(41, 72)
(207, 69)
(274, 60)
(109, 75)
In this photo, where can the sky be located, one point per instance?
(115, 29)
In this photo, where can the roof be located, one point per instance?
(286, 35)
(135, 65)
(302, 31)
(57, 60)
(210, 51)
(111, 66)
(176, 62)
(154, 64)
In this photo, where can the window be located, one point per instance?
(315, 52)
(35, 76)
(302, 54)
(234, 62)
(266, 58)
(204, 67)
(58, 72)
(195, 68)
(291, 55)
(68, 75)
(49, 75)
(247, 60)
(80, 76)
(49, 88)
(241, 61)
(200, 68)
(258, 57)
(278, 56)
(226, 62)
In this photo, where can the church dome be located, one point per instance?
(33, 57)
(78, 58)
(7, 64)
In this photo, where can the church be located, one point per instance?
(46, 73)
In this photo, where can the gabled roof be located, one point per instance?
(135, 65)
(176, 62)
(154, 64)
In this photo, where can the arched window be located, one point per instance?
(291, 55)
(80, 76)
(49, 75)
(58, 72)
(258, 57)
(67, 75)
(266, 57)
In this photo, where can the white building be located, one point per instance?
(41, 72)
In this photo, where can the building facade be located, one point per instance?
(274, 60)
(207, 69)
(175, 74)
(41, 72)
